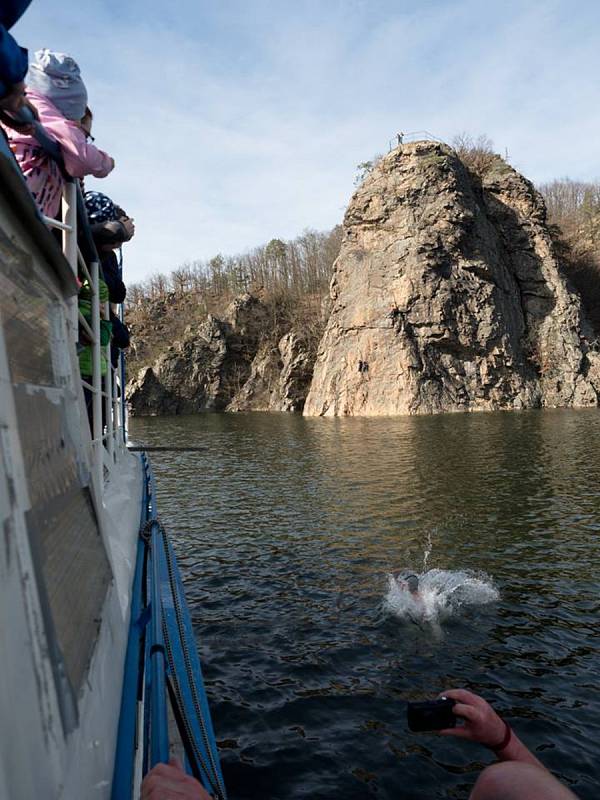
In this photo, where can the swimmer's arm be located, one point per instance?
(482, 724)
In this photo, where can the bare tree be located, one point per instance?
(476, 154)
(158, 284)
(574, 217)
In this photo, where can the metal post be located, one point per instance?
(118, 423)
(69, 234)
(159, 728)
(69, 237)
(108, 400)
(122, 379)
(159, 733)
(97, 381)
(115, 411)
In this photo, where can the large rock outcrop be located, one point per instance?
(226, 365)
(447, 296)
(204, 370)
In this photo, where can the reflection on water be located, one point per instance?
(287, 530)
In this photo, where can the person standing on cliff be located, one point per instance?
(400, 137)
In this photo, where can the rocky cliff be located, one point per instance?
(229, 364)
(447, 296)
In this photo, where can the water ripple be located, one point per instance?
(287, 531)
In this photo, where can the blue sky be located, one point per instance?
(234, 122)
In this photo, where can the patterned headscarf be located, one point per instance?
(57, 77)
(100, 208)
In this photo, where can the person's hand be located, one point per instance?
(13, 104)
(129, 227)
(28, 104)
(14, 99)
(171, 782)
(481, 723)
(86, 122)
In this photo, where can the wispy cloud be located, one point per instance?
(232, 122)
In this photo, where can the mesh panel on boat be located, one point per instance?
(72, 569)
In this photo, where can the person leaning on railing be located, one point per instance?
(111, 228)
(120, 340)
(85, 350)
(13, 59)
(58, 94)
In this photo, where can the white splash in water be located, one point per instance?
(427, 551)
(442, 594)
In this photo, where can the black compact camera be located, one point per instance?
(431, 715)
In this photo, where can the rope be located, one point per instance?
(183, 723)
(211, 769)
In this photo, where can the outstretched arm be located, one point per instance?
(81, 158)
(482, 724)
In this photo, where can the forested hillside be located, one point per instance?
(290, 278)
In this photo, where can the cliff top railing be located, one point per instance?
(412, 136)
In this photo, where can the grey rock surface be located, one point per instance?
(204, 370)
(226, 365)
(447, 296)
(279, 378)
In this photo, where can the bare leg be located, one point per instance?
(513, 780)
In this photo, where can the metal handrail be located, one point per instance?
(84, 268)
(80, 252)
(412, 136)
(90, 388)
(84, 324)
(56, 223)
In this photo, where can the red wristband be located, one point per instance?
(505, 739)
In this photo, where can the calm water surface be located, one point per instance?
(286, 529)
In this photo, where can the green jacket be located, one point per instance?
(86, 358)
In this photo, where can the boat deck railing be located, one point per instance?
(108, 417)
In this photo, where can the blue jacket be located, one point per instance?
(13, 59)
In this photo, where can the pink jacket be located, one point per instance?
(43, 176)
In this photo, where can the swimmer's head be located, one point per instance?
(413, 583)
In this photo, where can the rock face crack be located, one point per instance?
(461, 271)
